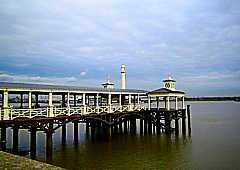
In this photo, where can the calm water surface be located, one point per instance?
(214, 144)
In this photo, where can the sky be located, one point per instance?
(82, 42)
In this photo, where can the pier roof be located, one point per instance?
(63, 88)
(165, 92)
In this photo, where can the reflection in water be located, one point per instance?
(124, 151)
(214, 144)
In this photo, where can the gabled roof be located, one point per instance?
(23, 86)
(165, 90)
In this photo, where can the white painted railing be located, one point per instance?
(56, 111)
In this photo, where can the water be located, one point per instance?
(214, 144)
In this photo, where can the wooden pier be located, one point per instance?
(47, 108)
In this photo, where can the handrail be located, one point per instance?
(32, 112)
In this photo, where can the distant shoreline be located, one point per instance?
(237, 99)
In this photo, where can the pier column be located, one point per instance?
(21, 100)
(29, 99)
(183, 102)
(36, 101)
(120, 125)
(167, 123)
(87, 128)
(184, 122)
(132, 125)
(125, 126)
(189, 119)
(145, 126)
(138, 99)
(33, 134)
(130, 102)
(120, 100)
(176, 123)
(141, 126)
(68, 103)
(50, 105)
(149, 103)
(63, 100)
(109, 102)
(158, 126)
(3, 138)
(168, 103)
(5, 105)
(97, 103)
(74, 100)
(68, 100)
(75, 124)
(157, 103)
(176, 103)
(165, 102)
(30, 103)
(15, 138)
(149, 127)
(84, 103)
(49, 143)
(64, 134)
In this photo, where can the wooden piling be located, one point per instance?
(3, 138)
(49, 144)
(64, 134)
(167, 122)
(125, 126)
(184, 122)
(145, 126)
(176, 123)
(141, 126)
(189, 119)
(75, 124)
(158, 126)
(33, 138)
(149, 127)
(15, 139)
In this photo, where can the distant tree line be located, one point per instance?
(235, 98)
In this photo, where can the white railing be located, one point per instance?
(56, 111)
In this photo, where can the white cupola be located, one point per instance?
(108, 84)
(169, 83)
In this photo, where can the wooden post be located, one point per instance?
(184, 122)
(74, 100)
(149, 103)
(33, 135)
(120, 125)
(5, 105)
(189, 119)
(158, 126)
(149, 127)
(157, 103)
(64, 134)
(125, 126)
(50, 104)
(36, 101)
(15, 138)
(145, 126)
(3, 138)
(21, 100)
(75, 124)
(176, 123)
(49, 143)
(63, 100)
(141, 126)
(167, 122)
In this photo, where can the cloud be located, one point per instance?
(44, 38)
(83, 73)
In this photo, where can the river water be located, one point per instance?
(214, 144)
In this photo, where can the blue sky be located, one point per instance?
(80, 42)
